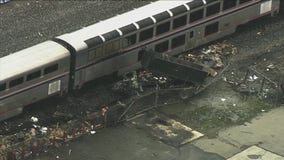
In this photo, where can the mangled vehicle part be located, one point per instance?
(176, 68)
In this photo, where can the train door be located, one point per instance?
(80, 79)
(191, 39)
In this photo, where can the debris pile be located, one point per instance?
(37, 140)
(213, 57)
(38, 137)
(137, 82)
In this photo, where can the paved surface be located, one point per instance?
(127, 143)
(255, 152)
(265, 131)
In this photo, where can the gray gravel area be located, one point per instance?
(24, 23)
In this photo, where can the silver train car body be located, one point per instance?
(114, 46)
(32, 74)
(169, 27)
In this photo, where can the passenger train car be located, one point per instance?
(114, 46)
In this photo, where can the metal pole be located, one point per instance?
(156, 95)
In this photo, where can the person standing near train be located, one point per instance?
(104, 114)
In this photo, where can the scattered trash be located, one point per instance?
(271, 66)
(40, 34)
(223, 99)
(44, 130)
(33, 132)
(19, 125)
(252, 78)
(34, 119)
(214, 56)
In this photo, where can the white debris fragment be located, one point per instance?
(34, 119)
(93, 132)
(253, 78)
(262, 110)
(223, 99)
(234, 105)
(43, 130)
(39, 34)
(207, 51)
(271, 66)
(36, 126)
(19, 125)
(162, 80)
(33, 132)
(57, 157)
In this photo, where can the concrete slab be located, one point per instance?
(265, 131)
(167, 130)
(256, 153)
(217, 146)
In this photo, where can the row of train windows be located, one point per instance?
(29, 77)
(175, 42)
(164, 27)
(181, 21)
(180, 40)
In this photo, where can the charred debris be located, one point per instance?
(163, 80)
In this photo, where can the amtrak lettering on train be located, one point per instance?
(112, 46)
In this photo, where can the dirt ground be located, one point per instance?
(217, 109)
(217, 112)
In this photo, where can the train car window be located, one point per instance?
(16, 82)
(129, 40)
(112, 47)
(33, 75)
(2, 86)
(162, 47)
(99, 51)
(196, 15)
(211, 28)
(178, 41)
(180, 21)
(227, 4)
(163, 28)
(146, 34)
(213, 9)
(91, 54)
(115, 46)
(108, 48)
(50, 69)
(191, 34)
(244, 1)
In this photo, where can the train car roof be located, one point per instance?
(77, 38)
(31, 58)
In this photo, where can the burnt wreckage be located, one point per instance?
(114, 46)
